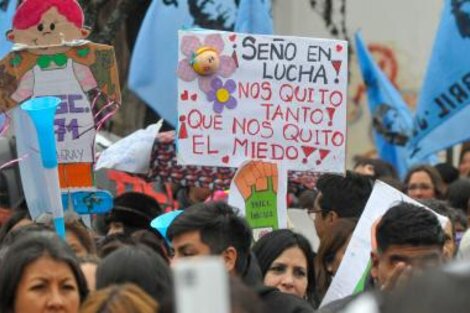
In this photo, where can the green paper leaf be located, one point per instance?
(83, 52)
(16, 60)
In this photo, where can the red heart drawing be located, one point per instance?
(339, 48)
(194, 97)
(232, 37)
(225, 159)
(184, 95)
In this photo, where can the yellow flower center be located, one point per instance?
(222, 95)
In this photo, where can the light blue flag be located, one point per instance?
(392, 119)
(155, 55)
(7, 10)
(443, 113)
(254, 16)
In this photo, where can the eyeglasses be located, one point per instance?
(419, 186)
(313, 211)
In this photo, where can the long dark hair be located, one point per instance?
(272, 245)
(25, 251)
(333, 241)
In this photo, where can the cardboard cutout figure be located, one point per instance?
(52, 58)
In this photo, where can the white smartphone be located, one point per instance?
(201, 285)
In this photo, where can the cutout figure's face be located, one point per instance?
(206, 63)
(53, 29)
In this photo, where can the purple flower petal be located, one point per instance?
(216, 83)
(211, 95)
(218, 107)
(230, 85)
(231, 103)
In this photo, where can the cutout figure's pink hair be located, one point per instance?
(30, 12)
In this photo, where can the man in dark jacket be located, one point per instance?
(215, 229)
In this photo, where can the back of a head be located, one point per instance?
(135, 209)
(125, 298)
(448, 172)
(381, 168)
(346, 195)
(16, 216)
(458, 194)
(154, 241)
(435, 292)
(220, 227)
(410, 225)
(139, 265)
(244, 299)
(307, 199)
(113, 242)
(22, 231)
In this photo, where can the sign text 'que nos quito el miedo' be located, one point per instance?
(254, 97)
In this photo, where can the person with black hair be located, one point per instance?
(409, 240)
(448, 172)
(132, 211)
(40, 273)
(442, 290)
(19, 217)
(286, 262)
(450, 229)
(214, 228)
(137, 264)
(339, 197)
(464, 161)
(458, 194)
(409, 237)
(330, 254)
(376, 168)
(424, 182)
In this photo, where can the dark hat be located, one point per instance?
(135, 209)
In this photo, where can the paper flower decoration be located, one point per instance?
(221, 94)
(213, 45)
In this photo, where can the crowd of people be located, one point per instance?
(119, 263)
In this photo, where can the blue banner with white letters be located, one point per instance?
(443, 113)
(155, 55)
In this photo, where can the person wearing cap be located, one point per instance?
(132, 211)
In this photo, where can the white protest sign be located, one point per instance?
(132, 153)
(272, 98)
(259, 190)
(357, 254)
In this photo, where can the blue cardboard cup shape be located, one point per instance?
(42, 110)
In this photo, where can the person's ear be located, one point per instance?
(374, 271)
(230, 259)
(85, 32)
(11, 35)
(332, 217)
